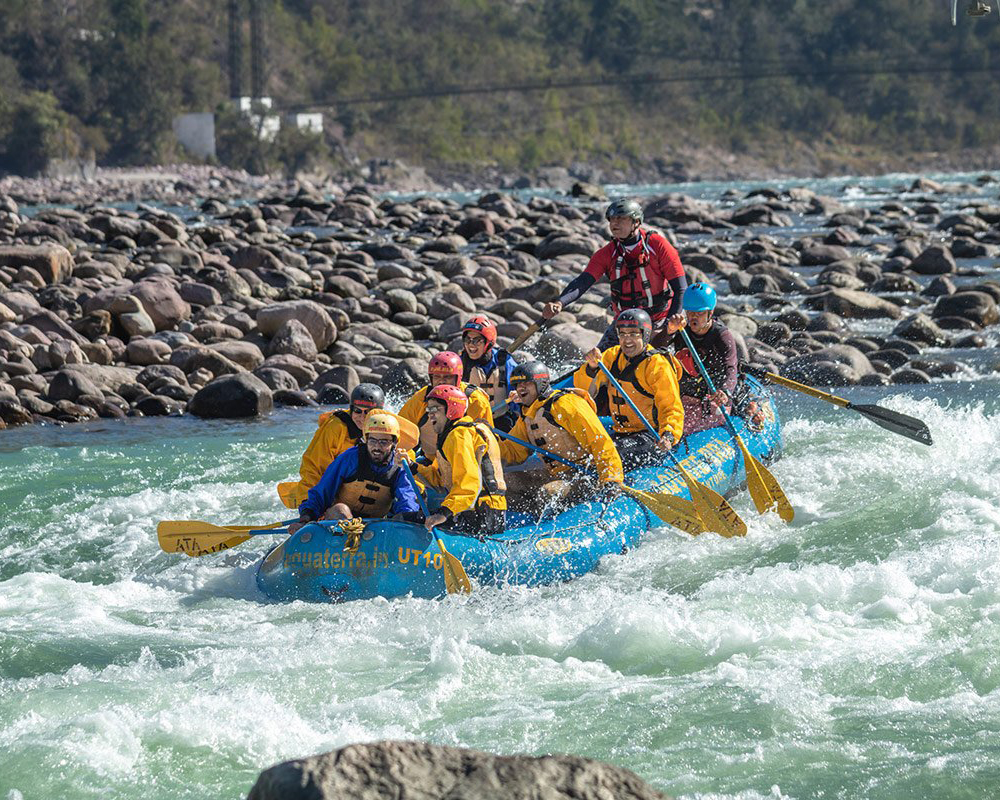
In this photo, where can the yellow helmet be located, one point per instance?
(381, 422)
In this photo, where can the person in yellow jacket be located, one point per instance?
(337, 431)
(565, 422)
(466, 466)
(445, 369)
(650, 378)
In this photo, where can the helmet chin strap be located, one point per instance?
(633, 235)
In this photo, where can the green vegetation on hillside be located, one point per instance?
(106, 76)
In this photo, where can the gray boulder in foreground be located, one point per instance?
(384, 770)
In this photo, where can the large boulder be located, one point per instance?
(922, 329)
(853, 304)
(52, 261)
(389, 770)
(935, 260)
(293, 338)
(836, 365)
(311, 314)
(161, 302)
(979, 307)
(231, 397)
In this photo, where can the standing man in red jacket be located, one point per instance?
(644, 269)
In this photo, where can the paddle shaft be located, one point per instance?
(809, 390)
(530, 331)
(547, 453)
(455, 578)
(712, 507)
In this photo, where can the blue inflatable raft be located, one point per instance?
(395, 559)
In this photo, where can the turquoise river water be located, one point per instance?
(852, 654)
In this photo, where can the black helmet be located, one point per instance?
(624, 207)
(367, 395)
(535, 372)
(635, 319)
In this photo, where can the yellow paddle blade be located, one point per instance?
(456, 581)
(409, 434)
(195, 538)
(715, 512)
(672, 510)
(764, 488)
(288, 491)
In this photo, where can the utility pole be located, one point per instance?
(257, 49)
(235, 49)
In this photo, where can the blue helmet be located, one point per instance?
(699, 297)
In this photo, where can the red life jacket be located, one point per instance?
(630, 286)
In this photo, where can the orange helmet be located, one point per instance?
(484, 326)
(446, 363)
(381, 422)
(455, 401)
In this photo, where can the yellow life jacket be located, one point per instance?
(428, 436)
(543, 431)
(364, 492)
(625, 372)
(492, 483)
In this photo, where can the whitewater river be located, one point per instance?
(852, 654)
(855, 653)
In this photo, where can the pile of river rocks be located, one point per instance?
(295, 298)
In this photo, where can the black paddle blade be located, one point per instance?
(910, 427)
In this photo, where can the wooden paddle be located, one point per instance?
(910, 427)
(530, 331)
(715, 512)
(673, 510)
(455, 578)
(764, 488)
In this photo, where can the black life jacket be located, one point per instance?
(353, 431)
(710, 349)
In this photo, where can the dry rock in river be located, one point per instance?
(390, 770)
(232, 396)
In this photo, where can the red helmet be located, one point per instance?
(446, 363)
(455, 401)
(483, 325)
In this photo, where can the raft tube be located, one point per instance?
(397, 559)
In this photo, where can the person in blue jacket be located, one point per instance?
(489, 367)
(364, 481)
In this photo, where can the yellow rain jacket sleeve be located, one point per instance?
(330, 440)
(575, 415)
(430, 474)
(413, 409)
(511, 452)
(660, 374)
(479, 406)
(466, 479)
(582, 378)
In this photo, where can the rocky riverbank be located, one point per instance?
(292, 295)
